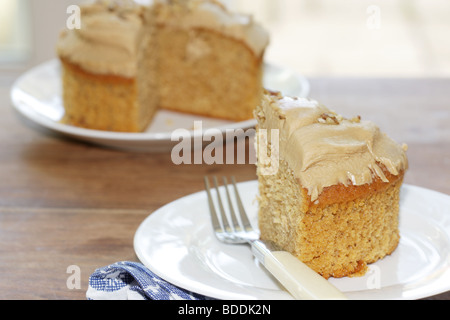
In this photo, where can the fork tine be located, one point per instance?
(243, 215)
(215, 221)
(223, 215)
(234, 221)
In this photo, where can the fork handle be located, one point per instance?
(301, 281)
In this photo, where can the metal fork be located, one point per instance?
(235, 228)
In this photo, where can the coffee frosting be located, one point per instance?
(324, 149)
(108, 41)
(109, 38)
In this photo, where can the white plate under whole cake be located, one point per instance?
(177, 243)
(37, 95)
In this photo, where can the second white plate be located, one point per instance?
(37, 96)
(177, 243)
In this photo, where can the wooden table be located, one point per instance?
(65, 203)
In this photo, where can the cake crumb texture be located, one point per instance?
(107, 103)
(337, 240)
(209, 74)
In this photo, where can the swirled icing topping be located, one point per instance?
(111, 32)
(109, 39)
(325, 149)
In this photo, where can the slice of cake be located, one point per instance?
(334, 200)
(211, 60)
(109, 69)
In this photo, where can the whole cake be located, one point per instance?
(333, 200)
(128, 60)
(109, 70)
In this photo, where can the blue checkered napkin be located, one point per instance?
(133, 281)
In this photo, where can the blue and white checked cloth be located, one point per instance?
(133, 281)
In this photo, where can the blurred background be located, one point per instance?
(316, 38)
(362, 38)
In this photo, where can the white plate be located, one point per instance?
(177, 243)
(37, 96)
